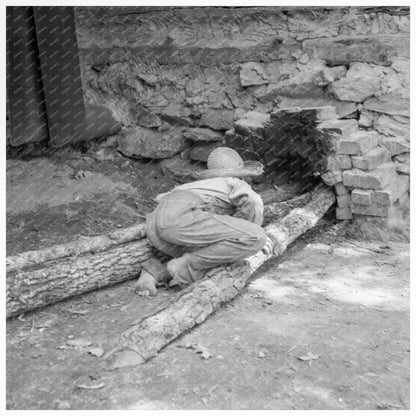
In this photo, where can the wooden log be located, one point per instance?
(38, 286)
(38, 278)
(76, 248)
(194, 304)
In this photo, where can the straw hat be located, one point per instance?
(224, 161)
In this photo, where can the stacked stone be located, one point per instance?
(366, 179)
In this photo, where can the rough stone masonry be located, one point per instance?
(184, 80)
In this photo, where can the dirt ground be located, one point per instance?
(325, 326)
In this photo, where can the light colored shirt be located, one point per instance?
(227, 196)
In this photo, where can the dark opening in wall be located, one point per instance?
(291, 146)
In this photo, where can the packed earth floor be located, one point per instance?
(324, 326)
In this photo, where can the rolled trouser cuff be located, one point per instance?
(182, 272)
(157, 269)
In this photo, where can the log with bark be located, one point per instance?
(194, 304)
(38, 278)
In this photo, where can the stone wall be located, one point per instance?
(197, 65)
(171, 74)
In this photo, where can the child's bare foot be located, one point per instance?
(145, 285)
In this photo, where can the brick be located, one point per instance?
(392, 191)
(371, 159)
(395, 145)
(377, 178)
(331, 178)
(344, 201)
(344, 162)
(343, 127)
(340, 189)
(373, 210)
(358, 143)
(343, 213)
(362, 196)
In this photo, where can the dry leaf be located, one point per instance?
(81, 343)
(308, 357)
(81, 312)
(93, 387)
(198, 349)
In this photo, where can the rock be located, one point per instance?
(343, 213)
(375, 179)
(99, 121)
(239, 113)
(395, 145)
(390, 126)
(371, 159)
(200, 134)
(402, 158)
(149, 79)
(366, 119)
(342, 50)
(253, 73)
(252, 122)
(200, 152)
(181, 170)
(296, 84)
(344, 127)
(344, 162)
(164, 127)
(402, 169)
(266, 107)
(362, 196)
(332, 178)
(355, 90)
(262, 118)
(148, 120)
(393, 191)
(340, 189)
(372, 209)
(138, 142)
(397, 103)
(218, 119)
(343, 108)
(361, 81)
(105, 153)
(327, 75)
(401, 65)
(344, 201)
(317, 113)
(176, 113)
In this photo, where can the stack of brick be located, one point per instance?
(366, 179)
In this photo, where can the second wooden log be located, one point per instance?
(194, 304)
